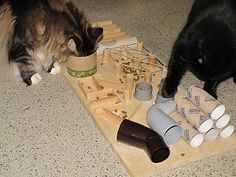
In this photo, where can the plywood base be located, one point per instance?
(135, 160)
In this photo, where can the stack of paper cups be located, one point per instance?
(194, 115)
(190, 134)
(205, 102)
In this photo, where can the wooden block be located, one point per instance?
(112, 107)
(97, 85)
(114, 35)
(98, 94)
(102, 23)
(112, 30)
(109, 84)
(103, 102)
(112, 115)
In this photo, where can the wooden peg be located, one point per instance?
(129, 83)
(148, 77)
(106, 56)
(127, 95)
(135, 111)
(151, 59)
(140, 46)
(117, 69)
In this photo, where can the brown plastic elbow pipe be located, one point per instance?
(140, 136)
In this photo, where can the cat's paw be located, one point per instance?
(56, 69)
(35, 79)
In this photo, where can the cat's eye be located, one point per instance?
(200, 61)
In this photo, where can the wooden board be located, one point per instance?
(135, 160)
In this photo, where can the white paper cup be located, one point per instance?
(190, 134)
(164, 125)
(211, 134)
(222, 121)
(227, 131)
(205, 102)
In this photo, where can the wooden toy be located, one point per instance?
(104, 87)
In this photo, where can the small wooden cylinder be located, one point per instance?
(117, 69)
(129, 80)
(140, 46)
(106, 56)
(151, 59)
(148, 77)
(127, 95)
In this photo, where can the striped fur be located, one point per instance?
(6, 31)
(38, 33)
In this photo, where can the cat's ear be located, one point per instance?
(96, 33)
(58, 5)
(73, 44)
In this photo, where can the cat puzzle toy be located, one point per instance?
(109, 97)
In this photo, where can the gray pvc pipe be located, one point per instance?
(164, 125)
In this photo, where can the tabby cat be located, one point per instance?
(206, 46)
(37, 35)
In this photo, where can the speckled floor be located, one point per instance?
(45, 131)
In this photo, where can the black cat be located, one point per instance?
(206, 46)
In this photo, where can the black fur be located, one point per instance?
(206, 46)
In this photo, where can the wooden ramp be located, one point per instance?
(105, 90)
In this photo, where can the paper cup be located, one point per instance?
(164, 125)
(211, 134)
(82, 66)
(194, 115)
(227, 131)
(190, 134)
(205, 102)
(167, 106)
(222, 121)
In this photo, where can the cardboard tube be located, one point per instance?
(211, 134)
(164, 125)
(205, 102)
(194, 115)
(82, 66)
(227, 131)
(142, 137)
(222, 121)
(190, 134)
